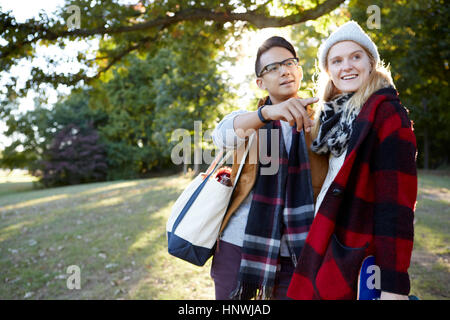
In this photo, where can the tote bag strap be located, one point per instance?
(249, 145)
(213, 164)
(240, 168)
(200, 187)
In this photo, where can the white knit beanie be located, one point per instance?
(348, 31)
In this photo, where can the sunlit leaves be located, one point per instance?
(133, 28)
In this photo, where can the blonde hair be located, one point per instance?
(379, 78)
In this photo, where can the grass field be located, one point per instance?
(115, 233)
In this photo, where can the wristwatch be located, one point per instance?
(261, 116)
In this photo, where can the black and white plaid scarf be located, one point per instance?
(282, 204)
(335, 126)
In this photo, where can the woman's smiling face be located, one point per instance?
(348, 65)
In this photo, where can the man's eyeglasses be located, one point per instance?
(290, 63)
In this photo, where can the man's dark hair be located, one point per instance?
(270, 43)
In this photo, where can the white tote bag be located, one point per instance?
(193, 226)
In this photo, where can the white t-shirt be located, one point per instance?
(334, 165)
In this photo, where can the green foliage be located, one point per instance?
(147, 97)
(307, 38)
(157, 70)
(414, 39)
(137, 104)
(154, 71)
(27, 146)
(32, 132)
(130, 27)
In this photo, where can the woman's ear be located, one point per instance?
(372, 66)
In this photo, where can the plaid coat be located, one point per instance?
(368, 209)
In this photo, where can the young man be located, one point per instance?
(269, 215)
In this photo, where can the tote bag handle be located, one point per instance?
(200, 187)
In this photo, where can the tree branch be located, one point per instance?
(36, 31)
(122, 54)
(258, 20)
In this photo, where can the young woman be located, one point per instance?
(366, 204)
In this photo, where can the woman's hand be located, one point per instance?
(293, 111)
